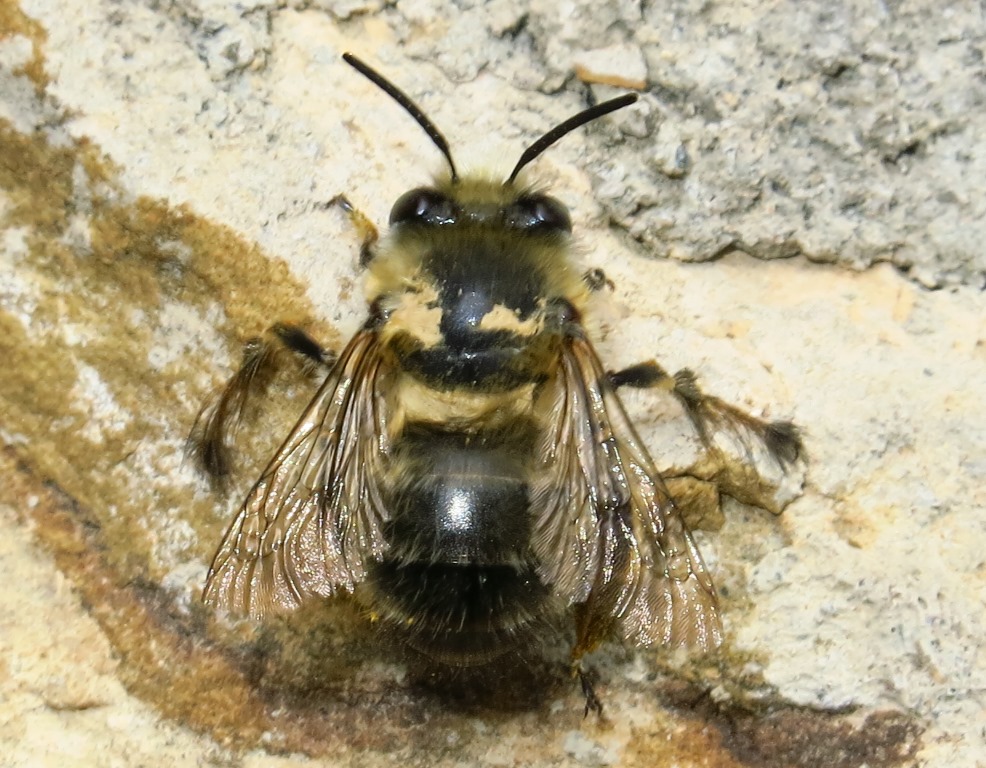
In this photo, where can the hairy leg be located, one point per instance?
(365, 228)
(709, 413)
(211, 438)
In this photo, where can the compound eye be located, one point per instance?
(422, 206)
(542, 213)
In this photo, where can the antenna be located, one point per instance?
(567, 127)
(405, 101)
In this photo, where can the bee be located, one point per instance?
(467, 469)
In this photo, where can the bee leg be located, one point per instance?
(365, 228)
(592, 702)
(596, 280)
(641, 376)
(592, 626)
(211, 437)
(296, 340)
(706, 412)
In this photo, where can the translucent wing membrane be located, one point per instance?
(608, 535)
(313, 519)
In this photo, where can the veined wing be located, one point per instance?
(314, 518)
(607, 533)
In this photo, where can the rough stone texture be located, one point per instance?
(849, 133)
(161, 160)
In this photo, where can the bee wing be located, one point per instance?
(607, 533)
(313, 519)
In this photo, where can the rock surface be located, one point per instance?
(166, 176)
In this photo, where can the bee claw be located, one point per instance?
(592, 701)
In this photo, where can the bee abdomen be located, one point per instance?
(460, 574)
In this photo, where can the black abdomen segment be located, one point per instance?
(459, 576)
(460, 614)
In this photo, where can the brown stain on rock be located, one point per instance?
(93, 305)
(13, 21)
(801, 738)
(153, 656)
